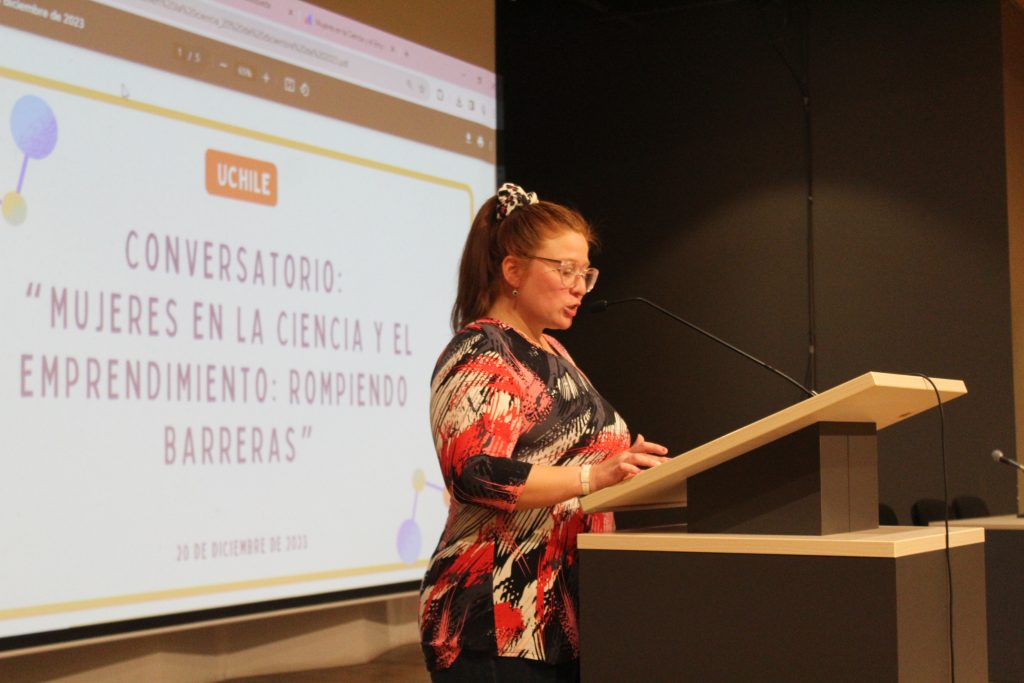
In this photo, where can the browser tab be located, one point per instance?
(335, 47)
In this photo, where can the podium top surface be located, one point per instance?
(996, 523)
(880, 398)
(886, 541)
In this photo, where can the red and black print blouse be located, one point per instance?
(503, 581)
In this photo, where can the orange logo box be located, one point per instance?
(251, 180)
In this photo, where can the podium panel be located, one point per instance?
(822, 479)
(863, 606)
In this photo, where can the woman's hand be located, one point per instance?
(627, 464)
(548, 485)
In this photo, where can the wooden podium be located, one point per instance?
(782, 572)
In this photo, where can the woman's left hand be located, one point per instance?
(628, 463)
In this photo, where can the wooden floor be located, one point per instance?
(402, 665)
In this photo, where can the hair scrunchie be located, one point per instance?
(510, 197)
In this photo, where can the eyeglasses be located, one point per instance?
(569, 271)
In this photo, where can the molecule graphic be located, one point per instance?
(35, 132)
(409, 537)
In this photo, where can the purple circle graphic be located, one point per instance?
(34, 127)
(409, 541)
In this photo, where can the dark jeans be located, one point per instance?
(475, 668)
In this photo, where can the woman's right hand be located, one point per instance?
(627, 464)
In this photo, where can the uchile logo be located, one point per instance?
(250, 180)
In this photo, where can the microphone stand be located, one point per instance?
(599, 306)
(998, 456)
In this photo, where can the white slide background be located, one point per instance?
(102, 520)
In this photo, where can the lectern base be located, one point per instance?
(861, 606)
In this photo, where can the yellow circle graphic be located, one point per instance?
(15, 208)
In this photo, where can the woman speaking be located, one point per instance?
(520, 434)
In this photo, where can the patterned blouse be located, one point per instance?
(504, 581)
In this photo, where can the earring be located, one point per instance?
(515, 292)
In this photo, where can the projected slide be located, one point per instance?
(220, 314)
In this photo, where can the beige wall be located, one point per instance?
(295, 640)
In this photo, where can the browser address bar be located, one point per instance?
(225, 25)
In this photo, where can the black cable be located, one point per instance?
(945, 501)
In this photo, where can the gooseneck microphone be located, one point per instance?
(998, 456)
(601, 305)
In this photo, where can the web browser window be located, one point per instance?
(228, 249)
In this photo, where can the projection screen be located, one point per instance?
(228, 249)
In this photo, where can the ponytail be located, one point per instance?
(515, 231)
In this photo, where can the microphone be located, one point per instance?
(998, 456)
(601, 305)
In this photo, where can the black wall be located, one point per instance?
(678, 128)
